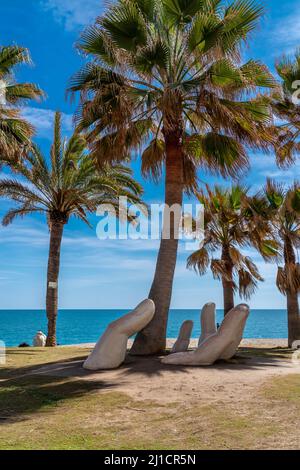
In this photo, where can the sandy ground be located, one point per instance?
(147, 378)
(252, 343)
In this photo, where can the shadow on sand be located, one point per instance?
(247, 358)
(32, 388)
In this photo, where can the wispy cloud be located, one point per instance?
(73, 13)
(15, 234)
(285, 31)
(263, 166)
(43, 119)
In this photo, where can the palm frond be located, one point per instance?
(71, 184)
(15, 131)
(219, 153)
(11, 56)
(176, 63)
(22, 211)
(153, 159)
(199, 261)
(247, 284)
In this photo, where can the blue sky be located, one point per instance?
(110, 274)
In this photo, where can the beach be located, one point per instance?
(246, 343)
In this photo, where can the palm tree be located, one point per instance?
(168, 74)
(286, 106)
(69, 186)
(283, 209)
(232, 223)
(15, 132)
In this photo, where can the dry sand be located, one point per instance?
(252, 343)
(146, 378)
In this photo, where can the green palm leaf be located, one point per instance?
(15, 132)
(70, 185)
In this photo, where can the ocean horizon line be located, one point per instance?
(122, 309)
(77, 326)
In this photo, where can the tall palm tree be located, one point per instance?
(232, 223)
(68, 186)
(283, 209)
(15, 132)
(286, 106)
(168, 74)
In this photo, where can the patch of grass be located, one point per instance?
(23, 361)
(275, 353)
(39, 412)
(80, 415)
(286, 390)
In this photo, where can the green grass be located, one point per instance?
(287, 391)
(58, 413)
(22, 361)
(275, 353)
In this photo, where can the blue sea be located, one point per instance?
(85, 326)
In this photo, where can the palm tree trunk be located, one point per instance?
(56, 233)
(152, 340)
(227, 282)
(293, 318)
(292, 296)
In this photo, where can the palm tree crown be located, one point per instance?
(15, 132)
(286, 106)
(283, 206)
(163, 66)
(70, 185)
(232, 223)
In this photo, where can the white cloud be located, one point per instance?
(18, 235)
(73, 13)
(43, 119)
(285, 32)
(263, 166)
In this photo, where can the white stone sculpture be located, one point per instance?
(110, 351)
(39, 341)
(222, 345)
(230, 323)
(208, 322)
(296, 345)
(183, 340)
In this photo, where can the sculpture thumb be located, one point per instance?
(110, 351)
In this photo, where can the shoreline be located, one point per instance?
(247, 343)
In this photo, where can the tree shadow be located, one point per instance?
(39, 386)
(25, 390)
(245, 359)
(20, 397)
(149, 366)
(7, 372)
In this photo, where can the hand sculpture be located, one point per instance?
(296, 345)
(110, 351)
(183, 340)
(39, 341)
(222, 345)
(208, 322)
